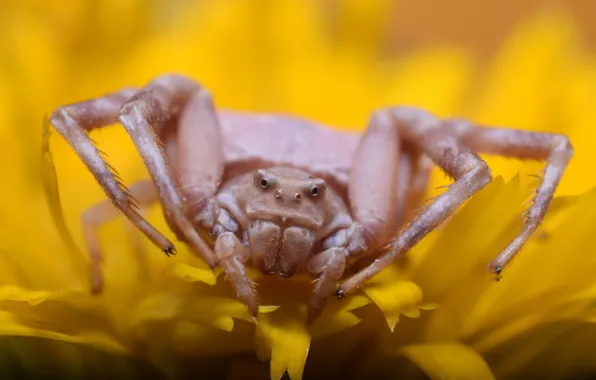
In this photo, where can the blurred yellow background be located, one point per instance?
(82, 48)
(523, 64)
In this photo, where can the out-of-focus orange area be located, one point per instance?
(479, 25)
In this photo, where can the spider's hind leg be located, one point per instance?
(95, 217)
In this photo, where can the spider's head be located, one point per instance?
(288, 197)
(286, 207)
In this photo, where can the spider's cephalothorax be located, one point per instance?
(287, 195)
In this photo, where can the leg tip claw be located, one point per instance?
(170, 250)
(496, 270)
(254, 313)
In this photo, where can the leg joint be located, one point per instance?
(482, 174)
(149, 106)
(563, 145)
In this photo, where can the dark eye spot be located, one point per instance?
(264, 183)
(314, 191)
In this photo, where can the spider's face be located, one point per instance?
(285, 208)
(287, 197)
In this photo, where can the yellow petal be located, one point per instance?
(11, 324)
(15, 293)
(461, 247)
(448, 361)
(337, 316)
(566, 260)
(50, 187)
(394, 297)
(284, 337)
(544, 350)
(192, 274)
(454, 273)
(68, 316)
(216, 312)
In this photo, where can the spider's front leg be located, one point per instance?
(554, 148)
(141, 113)
(448, 144)
(372, 176)
(232, 255)
(385, 177)
(329, 265)
(144, 192)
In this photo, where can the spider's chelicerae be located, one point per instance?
(287, 195)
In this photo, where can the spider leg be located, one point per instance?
(444, 147)
(142, 114)
(388, 179)
(93, 218)
(73, 122)
(158, 103)
(200, 161)
(377, 186)
(554, 148)
(413, 175)
(329, 265)
(232, 256)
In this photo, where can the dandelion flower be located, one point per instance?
(279, 57)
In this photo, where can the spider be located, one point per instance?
(287, 195)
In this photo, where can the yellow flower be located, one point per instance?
(274, 56)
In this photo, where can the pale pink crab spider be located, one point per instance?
(287, 195)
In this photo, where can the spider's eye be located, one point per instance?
(264, 179)
(315, 187)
